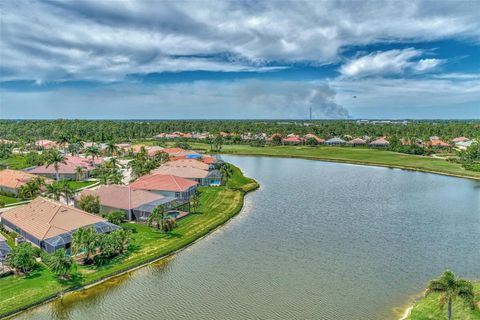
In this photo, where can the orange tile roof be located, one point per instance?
(163, 182)
(188, 163)
(184, 172)
(437, 143)
(14, 179)
(44, 218)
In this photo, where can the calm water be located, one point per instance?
(317, 241)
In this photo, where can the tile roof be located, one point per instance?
(163, 182)
(15, 179)
(459, 139)
(182, 163)
(357, 141)
(184, 172)
(122, 197)
(44, 218)
(379, 142)
(72, 163)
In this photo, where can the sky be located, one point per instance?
(242, 59)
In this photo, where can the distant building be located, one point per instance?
(459, 139)
(357, 142)
(379, 143)
(335, 141)
(69, 170)
(312, 136)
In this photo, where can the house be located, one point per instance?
(46, 144)
(203, 177)
(335, 141)
(357, 142)
(49, 224)
(69, 170)
(136, 203)
(6, 141)
(179, 152)
(311, 135)
(12, 180)
(379, 143)
(463, 145)
(193, 163)
(459, 139)
(167, 185)
(292, 139)
(437, 143)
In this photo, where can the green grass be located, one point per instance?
(15, 162)
(217, 205)
(354, 155)
(428, 308)
(75, 185)
(9, 200)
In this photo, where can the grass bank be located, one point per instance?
(355, 155)
(217, 206)
(428, 308)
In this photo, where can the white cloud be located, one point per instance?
(106, 40)
(388, 62)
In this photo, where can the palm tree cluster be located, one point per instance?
(143, 164)
(226, 171)
(59, 189)
(160, 218)
(109, 172)
(32, 188)
(61, 263)
(99, 248)
(54, 158)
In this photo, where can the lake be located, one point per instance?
(318, 240)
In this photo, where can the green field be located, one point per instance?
(75, 185)
(428, 308)
(354, 155)
(15, 162)
(217, 205)
(9, 200)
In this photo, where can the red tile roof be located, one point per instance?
(163, 182)
(437, 143)
(72, 163)
(14, 179)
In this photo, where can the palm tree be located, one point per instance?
(156, 216)
(92, 151)
(226, 172)
(85, 240)
(79, 172)
(450, 288)
(60, 263)
(55, 158)
(66, 191)
(54, 190)
(31, 189)
(194, 202)
(112, 149)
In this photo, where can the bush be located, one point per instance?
(116, 217)
(89, 203)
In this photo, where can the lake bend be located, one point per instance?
(318, 240)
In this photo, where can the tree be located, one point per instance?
(116, 217)
(31, 189)
(226, 171)
(89, 203)
(55, 158)
(79, 172)
(277, 140)
(182, 144)
(156, 217)
(60, 263)
(85, 240)
(66, 190)
(21, 258)
(54, 190)
(311, 142)
(450, 288)
(194, 202)
(217, 143)
(92, 151)
(112, 149)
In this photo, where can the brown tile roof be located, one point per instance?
(163, 182)
(379, 142)
(72, 163)
(15, 179)
(357, 141)
(45, 218)
(184, 172)
(193, 163)
(122, 197)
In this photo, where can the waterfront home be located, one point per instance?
(49, 224)
(292, 140)
(312, 136)
(379, 143)
(136, 203)
(357, 142)
(437, 143)
(12, 180)
(69, 170)
(335, 141)
(203, 177)
(179, 152)
(167, 185)
(190, 163)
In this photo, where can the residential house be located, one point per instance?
(49, 224)
(46, 144)
(136, 203)
(379, 143)
(463, 145)
(357, 142)
(12, 180)
(69, 170)
(194, 163)
(167, 185)
(203, 177)
(318, 139)
(459, 139)
(335, 141)
(179, 152)
(437, 143)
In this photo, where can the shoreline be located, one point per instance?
(141, 265)
(355, 162)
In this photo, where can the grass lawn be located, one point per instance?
(15, 162)
(75, 185)
(217, 205)
(9, 200)
(354, 155)
(428, 308)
